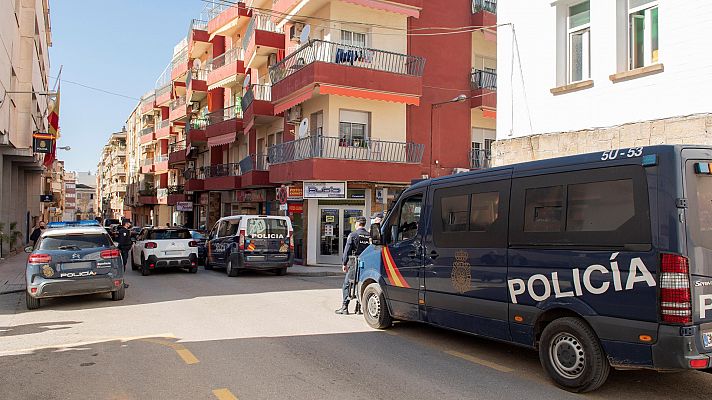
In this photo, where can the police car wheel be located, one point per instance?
(31, 302)
(231, 272)
(118, 294)
(571, 354)
(375, 308)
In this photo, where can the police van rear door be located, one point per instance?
(267, 235)
(697, 165)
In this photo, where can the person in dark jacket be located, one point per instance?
(124, 242)
(356, 243)
(37, 232)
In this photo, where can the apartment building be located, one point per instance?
(70, 196)
(111, 178)
(86, 191)
(25, 38)
(601, 75)
(331, 103)
(53, 190)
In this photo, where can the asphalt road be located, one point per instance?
(259, 336)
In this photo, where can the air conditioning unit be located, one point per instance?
(295, 30)
(294, 115)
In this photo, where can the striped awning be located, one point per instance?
(222, 139)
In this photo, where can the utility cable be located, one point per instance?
(98, 89)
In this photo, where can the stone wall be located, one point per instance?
(694, 129)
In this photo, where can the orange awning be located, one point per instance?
(281, 107)
(368, 94)
(222, 139)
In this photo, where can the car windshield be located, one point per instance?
(197, 235)
(263, 226)
(78, 241)
(159, 234)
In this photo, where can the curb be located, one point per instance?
(316, 273)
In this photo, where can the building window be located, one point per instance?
(316, 123)
(353, 128)
(642, 33)
(353, 39)
(579, 42)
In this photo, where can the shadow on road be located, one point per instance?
(28, 329)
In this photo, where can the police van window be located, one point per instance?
(223, 228)
(699, 194)
(484, 211)
(599, 206)
(455, 212)
(409, 217)
(544, 209)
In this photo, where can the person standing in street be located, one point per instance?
(356, 243)
(125, 242)
(37, 232)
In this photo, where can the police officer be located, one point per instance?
(356, 243)
(125, 242)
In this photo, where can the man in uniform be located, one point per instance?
(125, 242)
(356, 243)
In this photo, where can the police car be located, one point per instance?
(598, 261)
(73, 258)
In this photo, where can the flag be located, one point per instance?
(53, 122)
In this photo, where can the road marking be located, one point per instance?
(187, 356)
(473, 359)
(184, 353)
(224, 394)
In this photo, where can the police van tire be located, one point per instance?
(571, 354)
(375, 308)
(32, 303)
(230, 270)
(207, 265)
(118, 294)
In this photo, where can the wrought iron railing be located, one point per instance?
(164, 89)
(336, 53)
(484, 5)
(178, 102)
(254, 162)
(198, 24)
(163, 124)
(225, 114)
(197, 74)
(483, 79)
(226, 58)
(213, 8)
(147, 192)
(175, 189)
(256, 92)
(197, 123)
(341, 148)
(177, 146)
(213, 171)
(263, 22)
(146, 131)
(480, 158)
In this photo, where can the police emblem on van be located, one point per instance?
(268, 236)
(461, 276)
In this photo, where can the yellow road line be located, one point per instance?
(224, 394)
(187, 356)
(473, 359)
(184, 353)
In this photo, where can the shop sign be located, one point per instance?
(324, 190)
(296, 208)
(283, 207)
(184, 206)
(250, 196)
(381, 195)
(357, 193)
(46, 198)
(42, 145)
(282, 195)
(295, 192)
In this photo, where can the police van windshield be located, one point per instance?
(74, 242)
(267, 226)
(699, 188)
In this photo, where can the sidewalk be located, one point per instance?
(321, 270)
(12, 273)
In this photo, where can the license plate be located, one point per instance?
(173, 252)
(76, 266)
(707, 339)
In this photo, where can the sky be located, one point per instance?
(117, 46)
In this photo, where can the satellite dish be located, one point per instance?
(304, 36)
(303, 128)
(246, 82)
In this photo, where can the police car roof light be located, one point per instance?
(64, 224)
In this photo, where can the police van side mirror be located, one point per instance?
(376, 234)
(28, 249)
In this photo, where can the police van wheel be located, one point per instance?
(375, 309)
(31, 302)
(207, 265)
(118, 294)
(231, 272)
(570, 353)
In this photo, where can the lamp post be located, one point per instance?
(459, 99)
(64, 148)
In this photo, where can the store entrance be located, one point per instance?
(335, 225)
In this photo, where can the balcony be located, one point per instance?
(225, 68)
(179, 65)
(255, 171)
(148, 196)
(223, 125)
(257, 105)
(198, 38)
(222, 176)
(148, 103)
(340, 69)
(261, 39)
(146, 135)
(223, 17)
(194, 179)
(163, 129)
(328, 157)
(163, 95)
(195, 131)
(178, 109)
(176, 194)
(196, 86)
(160, 164)
(480, 159)
(176, 153)
(484, 89)
(147, 165)
(484, 13)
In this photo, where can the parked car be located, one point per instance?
(251, 242)
(72, 260)
(164, 248)
(201, 239)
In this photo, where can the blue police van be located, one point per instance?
(598, 261)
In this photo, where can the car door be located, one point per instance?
(402, 255)
(466, 255)
(138, 246)
(212, 242)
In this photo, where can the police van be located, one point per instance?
(598, 261)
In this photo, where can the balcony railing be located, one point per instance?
(346, 149)
(178, 102)
(197, 74)
(178, 146)
(256, 92)
(335, 53)
(225, 114)
(175, 189)
(147, 192)
(164, 89)
(262, 22)
(483, 79)
(254, 162)
(147, 161)
(197, 123)
(214, 8)
(480, 158)
(226, 58)
(160, 158)
(146, 131)
(163, 124)
(484, 5)
(213, 171)
(148, 100)
(180, 58)
(199, 25)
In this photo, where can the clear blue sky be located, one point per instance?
(118, 46)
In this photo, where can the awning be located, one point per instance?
(387, 6)
(224, 82)
(222, 139)
(369, 94)
(287, 104)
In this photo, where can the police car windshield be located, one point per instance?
(163, 234)
(74, 242)
(266, 226)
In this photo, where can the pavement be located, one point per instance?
(12, 273)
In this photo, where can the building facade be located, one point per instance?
(111, 178)
(323, 110)
(70, 196)
(24, 65)
(602, 75)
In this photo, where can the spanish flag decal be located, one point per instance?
(394, 276)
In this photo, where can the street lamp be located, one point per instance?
(458, 99)
(64, 148)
